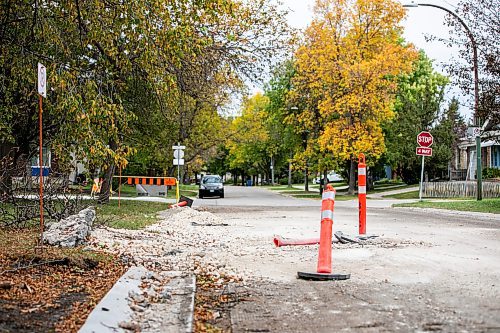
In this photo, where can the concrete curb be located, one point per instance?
(114, 308)
(173, 313)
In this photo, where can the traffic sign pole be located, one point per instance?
(40, 166)
(421, 179)
(479, 170)
(178, 167)
(42, 92)
(424, 140)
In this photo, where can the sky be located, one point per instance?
(420, 22)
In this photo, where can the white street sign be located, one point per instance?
(178, 154)
(178, 161)
(178, 147)
(472, 132)
(42, 80)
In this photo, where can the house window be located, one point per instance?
(46, 158)
(495, 156)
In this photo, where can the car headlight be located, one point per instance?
(202, 187)
(220, 187)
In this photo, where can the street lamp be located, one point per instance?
(477, 122)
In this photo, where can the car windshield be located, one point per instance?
(211, 180)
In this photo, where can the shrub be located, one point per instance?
(491, 173)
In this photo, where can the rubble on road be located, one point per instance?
(71, 231)
(170, 251)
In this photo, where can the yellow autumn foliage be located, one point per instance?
(346, 71)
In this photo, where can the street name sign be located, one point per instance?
(42, 80)
(178, 157)
(178, 154)
(424, 151)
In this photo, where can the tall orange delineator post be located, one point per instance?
(324, 269)
(325, 238)
(362, 193)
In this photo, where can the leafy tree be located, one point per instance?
(117, 69)
(248, 143)
(419, 98)
(284, 141)
(446, 133)
(346, 72)
(483, 19)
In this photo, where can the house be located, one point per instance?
(464, 163)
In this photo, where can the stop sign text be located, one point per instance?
(425, 139)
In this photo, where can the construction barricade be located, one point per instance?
(149, 184)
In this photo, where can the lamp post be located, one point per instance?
(477, 122)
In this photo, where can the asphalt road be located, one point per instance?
(253, 196)
(429, 271)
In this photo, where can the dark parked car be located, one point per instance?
(211, 186)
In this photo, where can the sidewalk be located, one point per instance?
(381, 195)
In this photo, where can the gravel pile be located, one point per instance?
(183, 239)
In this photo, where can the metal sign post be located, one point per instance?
(42, 92)
(424, 140)
(421, 179)
(178, 159)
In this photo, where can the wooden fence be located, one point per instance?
(459, 189)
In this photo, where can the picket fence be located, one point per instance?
(459, 189)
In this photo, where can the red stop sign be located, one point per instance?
(424, 139)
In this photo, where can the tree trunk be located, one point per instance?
(352, 177)
(369, 180)
(108, 178)
(290, 172)
(272, 171)
(306, 179)
(106, 185)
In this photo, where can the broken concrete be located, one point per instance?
(71, 231)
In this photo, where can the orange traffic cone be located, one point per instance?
(325, 242)
(325, 239)
(179, 204)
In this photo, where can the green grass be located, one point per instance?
(484, 206)
(316, 195)
(389, 182)
(387, 189)
(190, 194)
(190, 187)
(125, 191)
(131, 214)
(307, 196)
(130, 191)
